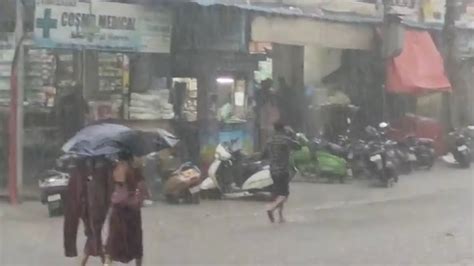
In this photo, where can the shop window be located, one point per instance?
(185, 94)
(106, 79)
(229, 100)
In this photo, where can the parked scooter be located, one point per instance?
(469, 133)
(53, 185)
(183, 184)
(232, 175)
(356, 158)
(321, 158)
(459, 150)
(401, 155)
(422, 149)
(380, 162)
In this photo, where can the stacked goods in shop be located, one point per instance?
(40, 77)
(106, 109)
(151, 106)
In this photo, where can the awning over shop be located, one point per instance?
(419, 68)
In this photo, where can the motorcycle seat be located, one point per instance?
(252, 165)
(425, 141)
(336, 149)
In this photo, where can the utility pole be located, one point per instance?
(15, 130)
(451, 61)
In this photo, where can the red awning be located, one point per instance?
(419, 68)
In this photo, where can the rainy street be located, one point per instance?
(166, 132)
(425, 219)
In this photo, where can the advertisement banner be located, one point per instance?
(102, 25)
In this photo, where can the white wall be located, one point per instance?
(319, 62)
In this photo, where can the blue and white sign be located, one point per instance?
(102, 25)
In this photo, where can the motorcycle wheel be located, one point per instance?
(392, 178)
(196, 199)
(407, 168)
(342, 179)
(431, 163)
(389, 182)
(171, 199)
(55, 208)
(214, 194)
(189, 198)
(464, 162)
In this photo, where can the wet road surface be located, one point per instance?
(425, 219)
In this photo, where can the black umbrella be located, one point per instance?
(95, 140)
(141, 143)
(107, 139)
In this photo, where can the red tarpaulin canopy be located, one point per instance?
(419, 68)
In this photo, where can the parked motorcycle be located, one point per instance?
(380, 162)
(183, 184)
(401, 155)
(423, 151)
(321, 158)
(469, 133)
(53, 185)
(459, 150)
(356, 158)
(233, 175)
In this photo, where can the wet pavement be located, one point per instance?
(426, 219)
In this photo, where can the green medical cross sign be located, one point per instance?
(46, 23)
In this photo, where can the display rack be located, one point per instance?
(6, 58)
(40, 78)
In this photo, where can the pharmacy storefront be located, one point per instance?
(97, 44)
(92, 49)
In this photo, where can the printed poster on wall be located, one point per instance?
(102, 25)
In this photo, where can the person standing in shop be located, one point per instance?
(72, 110)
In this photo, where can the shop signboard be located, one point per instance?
(433, 11)
(211, 30)
(102, 25)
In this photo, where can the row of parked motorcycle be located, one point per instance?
(233, 174)
(375, 156)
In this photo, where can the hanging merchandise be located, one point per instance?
(40, 78)
(111, 72)
(107, 101)
(7, 51)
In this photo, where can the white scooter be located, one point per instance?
(233, 176)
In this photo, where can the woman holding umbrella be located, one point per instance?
(122, 240)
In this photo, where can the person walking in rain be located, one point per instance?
(122, 233)
(278, 149)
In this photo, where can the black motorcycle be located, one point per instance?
(356, 154)
(53, 185)
(423, 151)
(460, 149)
(380, 161)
